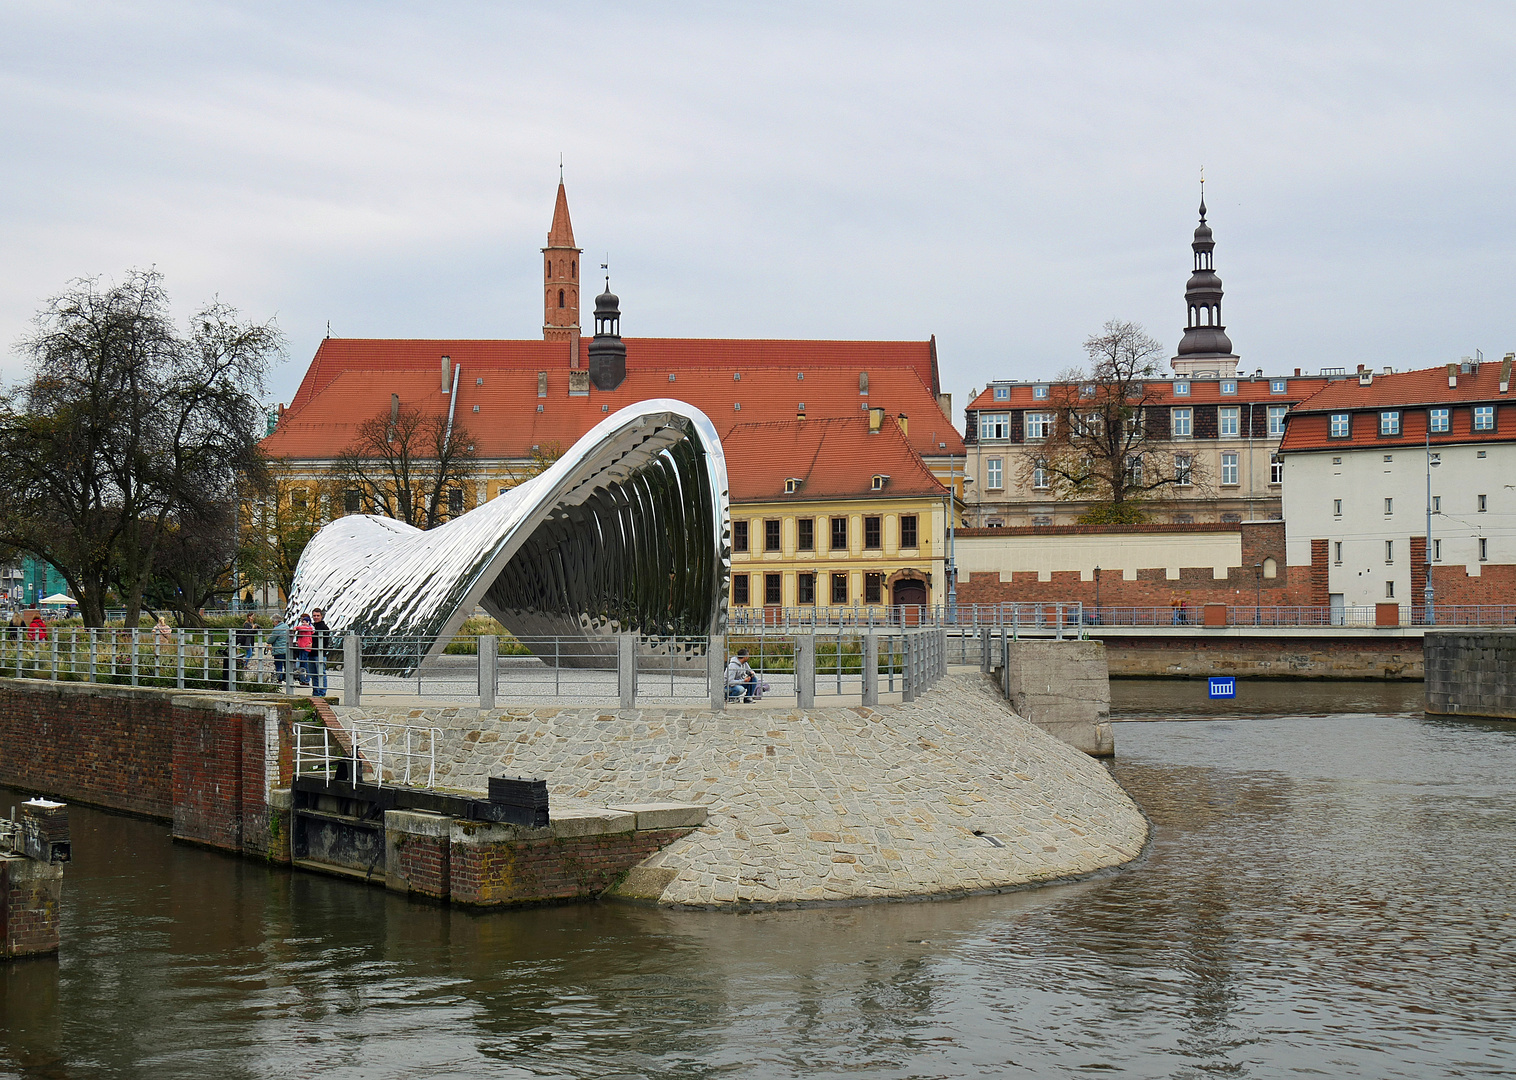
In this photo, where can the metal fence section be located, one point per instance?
(1050, 614)
(377, 752)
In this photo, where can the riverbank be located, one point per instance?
(950, 795)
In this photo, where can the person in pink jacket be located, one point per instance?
(304, 635)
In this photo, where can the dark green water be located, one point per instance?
(1326, 895)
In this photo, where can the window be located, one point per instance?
(1276, 469)
(1484, 418)
(1181, 420)
(1336, 461)
(1038, 521)
(1089, 425)
(1184, 470)
(771, 535)
(1437, 419)
(1227, 421)
(839, 534)
(908, 530)
(1389, 590)
(1181, 389)
(455, 501)
(873, 538)
(1389, 506)
(1437, 551)
(995, 425)
(1039, 425)
(1484, 549)
(1389, 422)
(1276, 421)
(1040, 393)
(739, 590)
(1231, 519)
(1481, 453)
(1184, 519)
(1341, 425)
(1389, 551)
(1336, 507)
(1484, 503)
(839, 588)
(805, 588)
(560, 297)
(1136, 424)
(1229, 470)
(1134, 469)
(1436, 504)
(297, 498)
(1228, 386)
(771, 589)
(1040, 474)
(1278, 386)
(352, 500)
(805, 534)
(1087, 390)
(1337, 552)
(992, 473)
(873, 588)
(739, 536)
(1002, 393)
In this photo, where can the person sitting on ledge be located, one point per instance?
(741, 681)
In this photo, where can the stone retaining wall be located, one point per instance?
(1198, 656)
(30, 892)
(949, 795)
(1471, 674)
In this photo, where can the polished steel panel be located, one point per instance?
(628, 531)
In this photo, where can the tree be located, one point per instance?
(403, 464)
(278, 522)
(125, 426)
(193, 564)
(1093, 441)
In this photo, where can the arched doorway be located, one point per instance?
(908, 596)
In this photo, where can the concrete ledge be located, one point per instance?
(593, 821)
(666, 815)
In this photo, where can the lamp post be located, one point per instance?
(1097, 596)
(1433, 460)
(1257, 593)
(952, 567)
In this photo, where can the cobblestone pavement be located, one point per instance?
(949, 795)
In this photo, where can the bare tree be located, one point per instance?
(1093, 441)
(403, 464)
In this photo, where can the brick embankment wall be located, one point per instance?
(30, 892)
(206, 762)
(1284, 658)
(535, 871)
(1471, 674)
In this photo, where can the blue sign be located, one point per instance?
(1224, 686)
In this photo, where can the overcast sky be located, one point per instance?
(1006, 177)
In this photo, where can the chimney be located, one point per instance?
(945, 403)
(1297, 371)
(863, 383)
(394, 407)
(1360, 369)
(447, 373)
(905, 424)
(1505, 372)
(1452, 374)
(542, 384)
(876, 420)
(800, 411)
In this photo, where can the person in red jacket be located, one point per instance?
(304, 635)
(36, 630)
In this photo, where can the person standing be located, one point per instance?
(279, 643)
(247, 638)
(320, 641)
(36, 630)
(305, 633)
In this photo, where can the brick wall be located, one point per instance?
(1197, 655)
(534, 871)
(1454, 585)
(29, 896)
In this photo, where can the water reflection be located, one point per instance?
(1322, 896)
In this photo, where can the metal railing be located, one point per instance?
(230, 660)
(1048, 614)
(377, 752)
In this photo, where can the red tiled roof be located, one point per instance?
(1411, 393)
(832, 457)
(336, 355)
(1161, 392)
(508, 423)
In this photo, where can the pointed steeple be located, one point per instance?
(560, 277)
(1205, 348)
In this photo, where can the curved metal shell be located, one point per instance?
(627, 531)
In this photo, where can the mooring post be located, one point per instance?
(871, 669)
(626, 669)
(805, 671)
(489, 654)
(352, 669)
(715, 670)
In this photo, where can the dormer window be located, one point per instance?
(1181, 389)
(1002, 393)
(793, 484)
(880, 479)
(1229, 386)
(1279, 386)
(1040, 393)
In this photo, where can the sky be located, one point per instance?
(1005, 176)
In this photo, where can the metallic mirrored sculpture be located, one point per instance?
(627, 531)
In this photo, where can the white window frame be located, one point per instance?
(1276, 468)
(1184, 470)
(1389, 506)
(1229, 386)
(1484, 549)
(1039, 393)
(1181, 389)
(1484, 418)
(994, 473)
(1039, 426)
(1279, 386)
(1002, 393)
(1229, 471)
(1232, 413)
(1277, 414)
(1438, 420)
(1183, 417)
(1389, 552)
(1040, 474)
(994, 425)
(1389, 422)
(1340, 425)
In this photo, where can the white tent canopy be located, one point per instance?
(58, 598)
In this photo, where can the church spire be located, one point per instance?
(560, 275)
(1205, 348)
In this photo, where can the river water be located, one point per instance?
(1330, 892)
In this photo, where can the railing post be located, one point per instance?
(908, 666)
(805, 671)
(352, 669)
(871, 669)
(91, 654)
(179, 649)
(231, 661)
(489, 653)
(626, 669)
(715, 670)
(984, 650)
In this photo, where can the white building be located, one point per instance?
(1375, 465)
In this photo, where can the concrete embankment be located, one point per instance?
(1471, 673)
(948, 795)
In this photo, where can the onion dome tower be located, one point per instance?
(607, 350)
(1205, 350)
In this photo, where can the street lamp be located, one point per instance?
(1097, 596)
(1433, 460)
(1257, 593)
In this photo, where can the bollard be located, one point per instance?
(985, 637)
(352, 669)
(805, 671)
(715, 670)
(489, 668)
(871, 669)
(626, 669)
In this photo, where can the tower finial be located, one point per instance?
(560, 170)
(1202, 194)
(606, 266)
